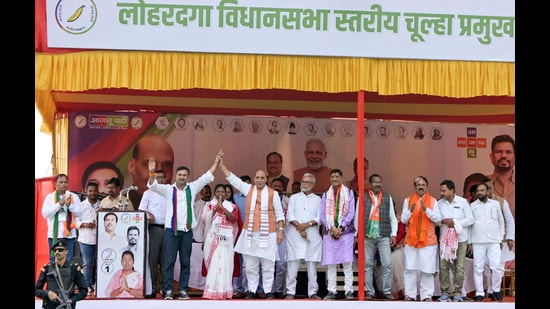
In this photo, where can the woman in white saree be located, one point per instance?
(221, 229)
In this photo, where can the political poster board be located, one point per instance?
(116, 234)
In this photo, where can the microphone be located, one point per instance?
(131, 188)
(127, 192)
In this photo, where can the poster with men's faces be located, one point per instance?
(121, 244)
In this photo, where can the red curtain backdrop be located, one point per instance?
(42, 187)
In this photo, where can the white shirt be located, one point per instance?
(459, 210)
(87, 235)
(271, 252)
(50, 208)
(304, 208)
(167, 191)
(155, 203)
(509, 222)
(488, 224)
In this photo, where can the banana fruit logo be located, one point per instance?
(76, 14)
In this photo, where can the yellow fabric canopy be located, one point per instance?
(148, 70)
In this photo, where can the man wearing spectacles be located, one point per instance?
(420, 214)
(274, 169)
(303, 240)
(263, 230)
(69, 275)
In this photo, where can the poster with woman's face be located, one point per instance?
(121, 249)
(391, 147)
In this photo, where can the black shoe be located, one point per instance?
(270, 296)
(250, 295)
(260, 295)
(239, 295)
(479, 298)
(183, 295)
(279, 295)
(168, 295)
(152, 295)
(497, 296)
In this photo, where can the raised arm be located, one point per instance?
(152, 167)
(217, 161)
(224, 169)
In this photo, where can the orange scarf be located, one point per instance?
(419, 223)
(373, 229)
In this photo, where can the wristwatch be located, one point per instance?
(343, 227)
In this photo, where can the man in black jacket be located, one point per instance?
(60, 272)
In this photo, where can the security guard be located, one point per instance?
(71, 277)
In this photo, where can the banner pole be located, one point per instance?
(361, 192)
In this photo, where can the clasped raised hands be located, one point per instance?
(219, 157)
(413, 206)
(65, 200)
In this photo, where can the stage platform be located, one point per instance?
(276, 304)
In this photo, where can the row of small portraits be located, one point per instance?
(292, 127)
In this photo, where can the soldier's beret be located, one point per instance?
(60, 243)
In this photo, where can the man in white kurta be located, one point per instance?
(421, 214)
(486, 238)
(263, 229)
(303, 241)
(58, 209)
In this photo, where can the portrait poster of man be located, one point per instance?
(119, 232)
(466, 146)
